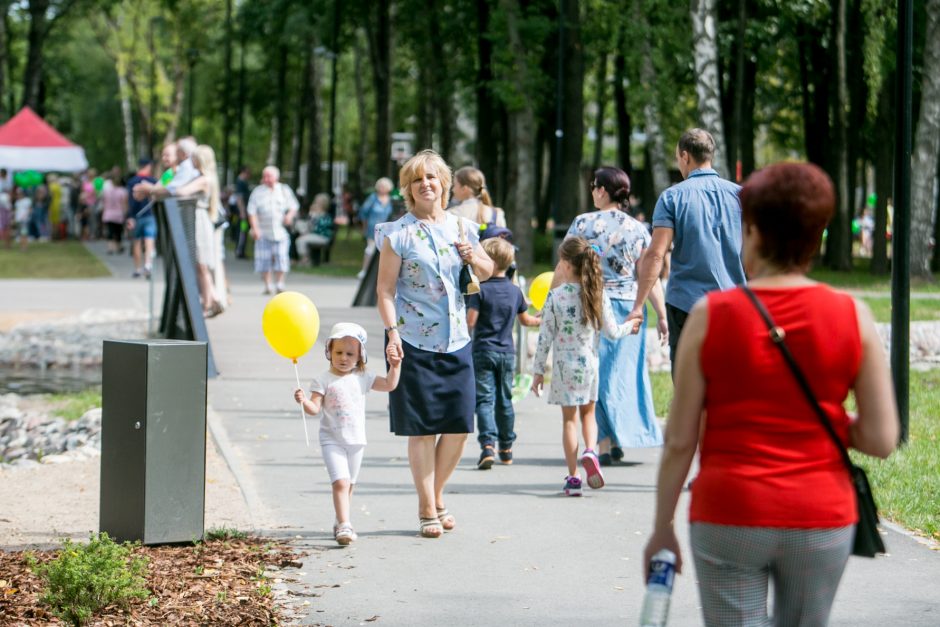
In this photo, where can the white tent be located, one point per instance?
(28, 143)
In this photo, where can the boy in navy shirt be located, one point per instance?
(490, 314)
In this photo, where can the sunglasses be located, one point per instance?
(596, 185)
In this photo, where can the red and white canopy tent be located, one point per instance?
(27, 142)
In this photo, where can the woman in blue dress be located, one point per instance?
(376, 209)
(625, 414)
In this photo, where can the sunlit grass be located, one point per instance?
(73, 405)
(927, 309)
(50, 260)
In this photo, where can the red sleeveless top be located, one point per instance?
(766, 461)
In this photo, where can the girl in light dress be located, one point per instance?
(573, 318)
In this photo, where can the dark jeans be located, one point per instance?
(675, 319)
(495, 416)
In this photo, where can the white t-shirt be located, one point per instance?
(24, 207)
(270, 205)
(343, 414)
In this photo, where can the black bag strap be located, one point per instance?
(777, 336)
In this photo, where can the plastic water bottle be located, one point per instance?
(662, 571)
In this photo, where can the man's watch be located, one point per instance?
(394, 327)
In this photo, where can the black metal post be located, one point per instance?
(559, 129)
(335, 46)
(901, 231)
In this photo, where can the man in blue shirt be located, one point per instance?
(701, 219)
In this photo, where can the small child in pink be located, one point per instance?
(338, 396)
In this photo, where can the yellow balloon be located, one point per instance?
(538, 289)
(290, 324)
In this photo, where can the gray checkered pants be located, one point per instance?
(734, 566)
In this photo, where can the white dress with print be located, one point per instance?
(573, 345)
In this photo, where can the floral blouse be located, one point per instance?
(573, 344)
(430, 308)
(621, 240)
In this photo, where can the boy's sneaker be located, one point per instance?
(592, 467)
(604, 459)
(505, 456)
(486, 458)
(616, 453)
(572, 486)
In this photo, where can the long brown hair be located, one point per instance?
(586, 264)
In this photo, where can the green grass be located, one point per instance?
(907, 484)
(224, 533)
(50, 260)
(72, 406)
(861, 279)
(920, 308)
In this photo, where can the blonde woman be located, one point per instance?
(473, 200)
(425, 319)
(205, 188)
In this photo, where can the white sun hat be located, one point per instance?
(350, 329)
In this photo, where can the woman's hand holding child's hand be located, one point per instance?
(392, 354)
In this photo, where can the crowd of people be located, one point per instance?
(770, 479)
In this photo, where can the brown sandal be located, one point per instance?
(448, 522)
(430, 528)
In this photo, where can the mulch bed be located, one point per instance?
(218, 582)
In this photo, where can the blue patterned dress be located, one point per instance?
(625, 412)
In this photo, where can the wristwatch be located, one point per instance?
(394, 327)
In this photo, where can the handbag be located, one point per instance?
(868, 541)
(469, 283)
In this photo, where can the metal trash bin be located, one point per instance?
(153, 440)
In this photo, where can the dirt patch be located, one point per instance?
(221, 582)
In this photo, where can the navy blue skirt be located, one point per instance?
(436, 393)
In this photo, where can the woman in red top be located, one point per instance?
(773, 497)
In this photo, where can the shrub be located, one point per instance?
(85, 578)
(225, 533)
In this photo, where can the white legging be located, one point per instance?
(342, 460)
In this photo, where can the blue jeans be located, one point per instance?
(495, 416)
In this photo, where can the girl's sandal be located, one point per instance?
(430, 528)
(448, 522)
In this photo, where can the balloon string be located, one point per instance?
(303, 414)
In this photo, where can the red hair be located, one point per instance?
(790, 204)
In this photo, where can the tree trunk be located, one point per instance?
(312, 112)
(487, 145)
(656, 152)
(36, 40)
(624, 121)
(572, 191)
(884, 174)
(746, 132)
(358, 175)
(735, 134)
(126, 117)
(442, 92)
(300, 122)
(839, 240)
(176, 108)
(276, 156)
(227, 96)
(705, 38)
(4, 58)
(600, 82)
(380, 52)
(521, 184)
(926, 149)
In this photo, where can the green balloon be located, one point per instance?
(21, 179)
(872, 200)
(166, 177)
(856, 227)
(35, 178)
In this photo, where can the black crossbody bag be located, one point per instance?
(868, 540)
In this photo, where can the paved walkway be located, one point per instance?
(522, 554)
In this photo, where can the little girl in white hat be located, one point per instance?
(338, 396)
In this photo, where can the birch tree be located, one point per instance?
(705, 40)
(926, 150)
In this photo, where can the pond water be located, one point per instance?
(25, 381)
